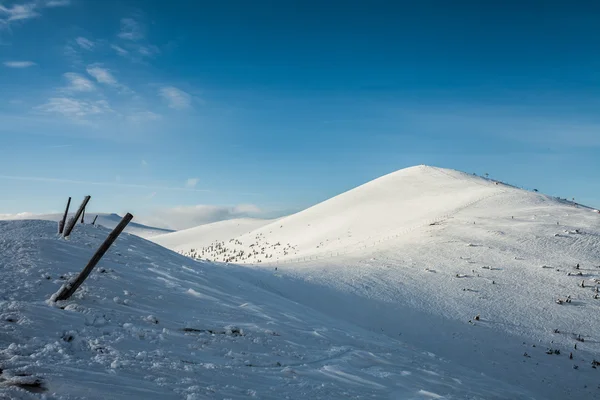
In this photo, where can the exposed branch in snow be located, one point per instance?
(74, 220)
(67, 290)
(61, 225)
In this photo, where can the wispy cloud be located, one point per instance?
(57, 3)
(120, 51)
(131, 30)
(148, 51)
(19, 12)
(102, 75)
(19, 64)
(191, 182)
(144, 163)
(94, 183)
(176, 98)
(78, 83)
(25, 11)
(75, 108)
(84, 43)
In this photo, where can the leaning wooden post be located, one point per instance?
(68, 289)
(73, 221)
(94, 222)
(61, 225)
(82, 215)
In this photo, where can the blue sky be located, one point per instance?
(208, 110)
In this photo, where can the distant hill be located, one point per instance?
(108, 220)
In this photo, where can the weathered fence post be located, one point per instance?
(61, 224)
(68, 289)
(73, 221)
(95, 218)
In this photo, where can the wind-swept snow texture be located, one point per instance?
(104, 219)
(149, 323)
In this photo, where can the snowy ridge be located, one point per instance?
(149, 323)
(104, 219)
(355, 247)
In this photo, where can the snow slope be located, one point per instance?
(204, 235)
(386, 207)
(104, 219)
(450, 246)
(385, 311)
(149, 323)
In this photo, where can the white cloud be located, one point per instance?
(131, 30)
(190, 216)
(78, 83)
(19, 64)
(57, 3)
(117, 183)
(176, 98)
(19, 12)
(148, 51)
(192, 182)
(21, 215)
(105, 77)
(85, 43)
(74, 108)
(120, 51)
(24, 11)
(102, 75)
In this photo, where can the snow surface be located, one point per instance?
(393, 319)
(149, 323)
(206, 234)
(104, 219)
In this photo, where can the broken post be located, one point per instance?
(67, 290)
(61, 225)
(73, 221)
(95, 218)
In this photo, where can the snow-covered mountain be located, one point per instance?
(424, 284)
(384, 211)
(104, 219)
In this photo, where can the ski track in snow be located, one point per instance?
(392, 321)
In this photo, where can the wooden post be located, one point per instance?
(95, 218)
(82, 215)
(72, 222)
(61, 225)
(67, 290)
